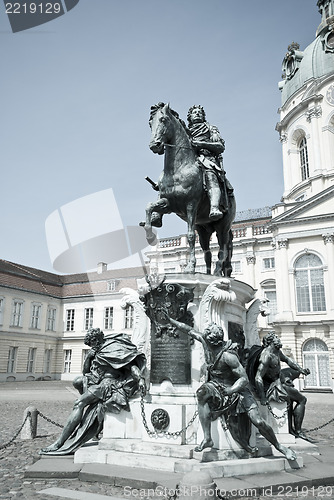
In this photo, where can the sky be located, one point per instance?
(76, 97)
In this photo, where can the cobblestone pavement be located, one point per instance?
(15, 459)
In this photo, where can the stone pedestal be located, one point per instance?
(131, 438)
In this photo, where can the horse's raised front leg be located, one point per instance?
(162, 207)
(190, 267)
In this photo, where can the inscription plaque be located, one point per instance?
(170, 349)
(170, 358)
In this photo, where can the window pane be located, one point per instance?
(108, 318)
(302, 289)
(67, 360)
(324, 371)
(88, 318)
(318, 290)
(272, 304)
(309, 362)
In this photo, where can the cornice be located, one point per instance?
(316, 84)
(297, 110)
(305, 220)
(304, 205)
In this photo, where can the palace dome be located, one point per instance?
(315, 62)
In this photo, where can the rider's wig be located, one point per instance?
(191, 110)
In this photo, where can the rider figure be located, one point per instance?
(209, 145)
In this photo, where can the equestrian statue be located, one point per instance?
(193, 184)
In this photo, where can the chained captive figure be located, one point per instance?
(226, 377)
(209, 147)
(272, 383)
(112, 373)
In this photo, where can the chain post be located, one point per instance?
(29, 429)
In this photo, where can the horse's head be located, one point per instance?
(161, 124)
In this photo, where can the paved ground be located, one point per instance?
(55, 400)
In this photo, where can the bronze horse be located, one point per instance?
(181, 192)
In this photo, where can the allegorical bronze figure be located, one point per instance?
(272, 383)
(227, 389)
(112, 373)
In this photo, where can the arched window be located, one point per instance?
(303, 156)
(316, 358)
(269, 291)
(310, 289)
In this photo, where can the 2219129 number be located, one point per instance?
(33, 8)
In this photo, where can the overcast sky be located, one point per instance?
(77, 91)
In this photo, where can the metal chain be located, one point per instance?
(165, 433)
(277, 417)
(4, 446)
(320, 426)
(49, 420)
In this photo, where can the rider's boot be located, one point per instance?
(215, 196)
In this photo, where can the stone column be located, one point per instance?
(251, 260)
(329, 275)
(282, 284)
(312, 113)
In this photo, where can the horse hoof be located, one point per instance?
(152, 240)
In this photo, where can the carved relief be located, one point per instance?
(211, 305)
(291, 61)
(328, 238)
(259, 306)
(171, 298)
(283, 243)
(315, 112)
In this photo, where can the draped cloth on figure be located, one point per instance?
(273, 389)
(111, 382)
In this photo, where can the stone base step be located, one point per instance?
(219, 468)
(146, 448)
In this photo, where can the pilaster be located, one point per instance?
(282, 285)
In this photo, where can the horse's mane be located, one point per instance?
(160, 105)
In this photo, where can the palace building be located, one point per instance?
(285, 252)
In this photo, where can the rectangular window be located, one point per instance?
(47, 360)
(108, 318)
(269, 263)
(236, 266)
(67, 360)
(111, 285)
(1, 310)
(35, 315)
(128, 320)
(31, 360)
(70, 320)
(89, 312)
(272, 304)
(51, 319)
(12, 357)
(17, 313)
